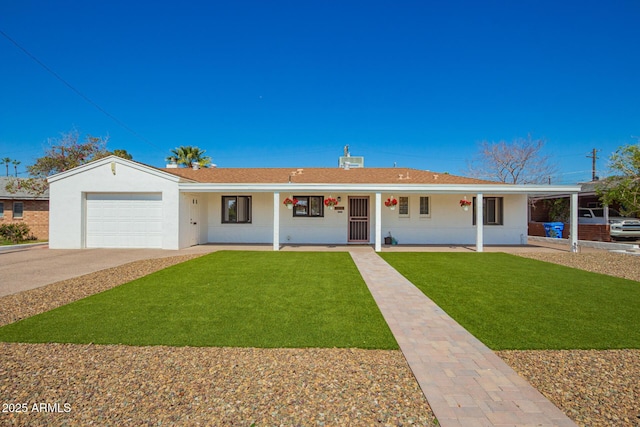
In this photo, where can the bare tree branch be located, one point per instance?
(518, 162)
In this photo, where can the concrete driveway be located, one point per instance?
(23, 268)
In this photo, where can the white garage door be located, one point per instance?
(124, 220)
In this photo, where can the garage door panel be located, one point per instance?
(124, 220)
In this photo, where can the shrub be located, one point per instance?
(16, 233)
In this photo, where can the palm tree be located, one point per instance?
(15, 166)
(186, 155)
(6, 161)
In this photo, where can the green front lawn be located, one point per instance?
(509, 302)
(235, 299)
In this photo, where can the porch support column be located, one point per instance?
(479, 223)
(276, 221)
(573, 233)
(378, 236)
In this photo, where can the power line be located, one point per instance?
(80, 94)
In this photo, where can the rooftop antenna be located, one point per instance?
(346, 151)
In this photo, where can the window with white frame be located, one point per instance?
(236, 209)
(309, 206)
(492, 211)
(18, 209)
(403, 206)
(424, 206)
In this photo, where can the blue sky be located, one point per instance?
(289, 83)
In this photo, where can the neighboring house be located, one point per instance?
(22, 207)
(113, 202)
(590, 227)
(587, 198)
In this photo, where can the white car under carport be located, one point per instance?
(620, 227)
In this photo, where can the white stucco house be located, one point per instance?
(118, 203)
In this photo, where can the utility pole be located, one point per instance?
(593, 156)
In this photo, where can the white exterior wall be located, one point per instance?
(66, 219)
(330, 229)
(448, 223)
(515, 227)
(260, 230)
(67, 208)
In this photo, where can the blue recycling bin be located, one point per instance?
(554, 229)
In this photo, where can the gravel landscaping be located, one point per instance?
(622, 265)
(594, 388)
(120, 385)
(123, 385)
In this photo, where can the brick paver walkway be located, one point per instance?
(465, 383)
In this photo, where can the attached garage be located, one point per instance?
(124, 220)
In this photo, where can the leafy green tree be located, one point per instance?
(122, 153)
(68, 152)
(623, 186)
(64, 153)
(559, 209)
(186, 155)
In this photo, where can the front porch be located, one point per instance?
(536, 245)
(423, 218)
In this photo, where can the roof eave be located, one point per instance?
(23, 197)
(118, 160)
(383, 188)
